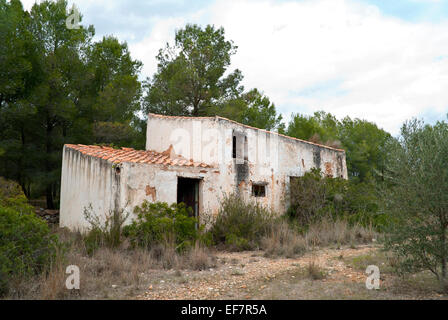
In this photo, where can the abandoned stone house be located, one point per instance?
(195, 160)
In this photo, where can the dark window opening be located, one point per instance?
(246, 151)
(234, 148)
(258, 190)
(188, 193)
(239, 147)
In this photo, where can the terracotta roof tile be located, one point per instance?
(135, 156)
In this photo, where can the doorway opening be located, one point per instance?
(188, 193)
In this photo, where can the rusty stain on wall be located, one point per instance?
(151, 191)
(328, 169)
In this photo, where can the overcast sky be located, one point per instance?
(381, 60)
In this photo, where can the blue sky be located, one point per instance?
(381, 60)
(413, 10)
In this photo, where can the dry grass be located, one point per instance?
(284, 241)
(329, 231)
(124, 272)
(199, 258)
(315, 271)
(108, 272)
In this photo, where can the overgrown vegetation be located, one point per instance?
(240, 224)
(159, 223)
(104, 233)
(416, 197)
(314, 197)
(245, 225)
(27, 247)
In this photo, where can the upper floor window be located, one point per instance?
(234, 147)
(239, 146)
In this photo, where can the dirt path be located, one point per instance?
(243, 275)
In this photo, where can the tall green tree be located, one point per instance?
(415, 197)
(192, 79)
(60, 62)
(18, 77)
(114, 92)
(321, 127)
(365, 146)
(64, 88)
(252, 108)
(190, 75)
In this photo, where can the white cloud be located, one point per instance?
(348, 57)
(341, 56)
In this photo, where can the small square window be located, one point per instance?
(258, 190)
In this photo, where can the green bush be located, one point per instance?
(11, 196)
(160, 223)
(315, 197)
(26, 246)
(240, 225)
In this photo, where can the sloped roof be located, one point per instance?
(135, 156)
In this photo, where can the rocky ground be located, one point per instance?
(321, 274)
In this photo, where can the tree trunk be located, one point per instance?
(48, 189)
(21, 179)
(443, 240)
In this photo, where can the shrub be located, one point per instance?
(313, 197)
(11, 196)
(240, 225)
(107, 233)
(26, 246)
(308, 196)
(159, 223)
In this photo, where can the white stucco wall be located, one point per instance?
(85, 181)
(93, 181)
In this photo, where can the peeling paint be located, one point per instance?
(151, 191)
(328, 169)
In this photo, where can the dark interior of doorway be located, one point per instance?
(188, 193)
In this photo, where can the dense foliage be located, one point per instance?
(58, 86)
(363, 141)
(314, 197)
(160, 223)
(416, 196)
(26, 244)
(240, 225)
